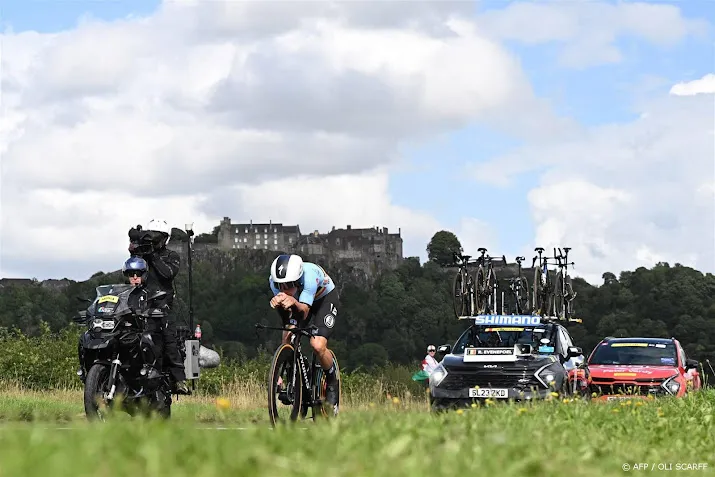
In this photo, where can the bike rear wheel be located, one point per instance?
(537, 300)
(284, 398)
(458, 288)
(471, 298)
(490, 288)
(481, 292)
(320, 385)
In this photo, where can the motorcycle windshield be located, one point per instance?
(111, 300)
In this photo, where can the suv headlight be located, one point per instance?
(437, 375)
(671, 385)
(547, 375)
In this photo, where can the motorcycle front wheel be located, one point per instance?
(94, 388)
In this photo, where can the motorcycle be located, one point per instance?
(118, 355)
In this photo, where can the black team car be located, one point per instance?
(507, 357)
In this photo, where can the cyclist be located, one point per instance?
(302, 291)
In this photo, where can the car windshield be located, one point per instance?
(506, 336)
(635, 353)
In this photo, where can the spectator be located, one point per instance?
(430, 363)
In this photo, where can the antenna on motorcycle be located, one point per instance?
(190, 233)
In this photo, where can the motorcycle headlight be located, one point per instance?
(546, 375)
(671, 385)
(437, 375)
(97, 325)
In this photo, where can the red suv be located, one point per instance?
(640, 367)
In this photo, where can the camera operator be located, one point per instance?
(149, 243)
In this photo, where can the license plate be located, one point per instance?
(618, 398)
(107, 325)
(489, 393)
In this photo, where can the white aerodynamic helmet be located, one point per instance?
(159, 225)
(287, 270)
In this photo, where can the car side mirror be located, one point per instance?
(443, 350)
(691, 364)
(574, 351)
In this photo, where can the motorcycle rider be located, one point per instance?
(149, 243)
(135, 269)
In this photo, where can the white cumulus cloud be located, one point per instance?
(296, 105)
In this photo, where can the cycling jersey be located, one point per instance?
(316, 284)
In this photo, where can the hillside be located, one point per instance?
(393, 318)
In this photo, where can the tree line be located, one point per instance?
(393, 317)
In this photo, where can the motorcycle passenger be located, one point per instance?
(149, 243)
(317, 297)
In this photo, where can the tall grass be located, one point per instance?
(48, 362)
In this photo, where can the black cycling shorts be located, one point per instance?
(323, 314)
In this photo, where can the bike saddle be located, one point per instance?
(539, 249)
(482, 249)
(520, 259)
(566, 249)
(466, 258)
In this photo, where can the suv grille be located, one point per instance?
(497, 379)
(652, 387)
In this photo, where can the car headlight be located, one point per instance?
(671, 385)
(546, 375)
(437, 375)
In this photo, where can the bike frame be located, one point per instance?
(308, 382)
(515, 287)
(489, 267)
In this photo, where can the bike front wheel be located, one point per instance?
(285, 392)
(559, 297)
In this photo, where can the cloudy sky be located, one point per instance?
(582, 124)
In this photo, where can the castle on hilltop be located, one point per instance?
(370, 249)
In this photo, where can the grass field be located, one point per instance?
(45, 434)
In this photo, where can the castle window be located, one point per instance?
(275, 242)
(246, 230)
(265, 242)
(235, 239)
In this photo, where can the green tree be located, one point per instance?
(441, 247)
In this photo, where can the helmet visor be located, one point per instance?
(287, 285)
